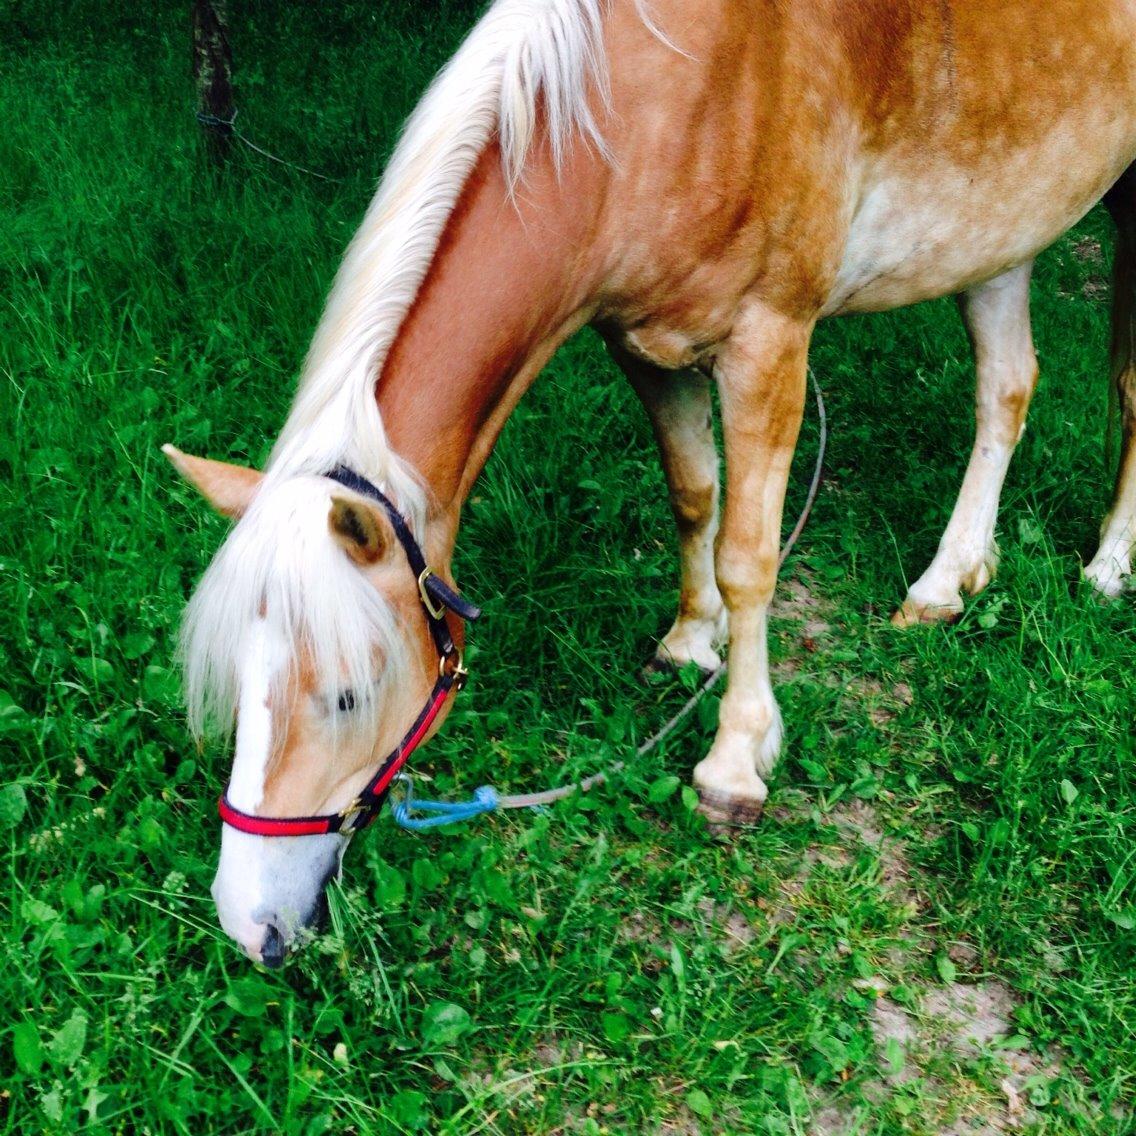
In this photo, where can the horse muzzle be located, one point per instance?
(270, 892)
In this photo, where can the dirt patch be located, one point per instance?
(553, 1051)
(973, 1127)
(955, 1018)
(731, 927)
(782, 909)
(891, 1022)
(683, 1123)
(728, 927)
(644, 927)
(970, 1018)
(858, 820)
(963, 954)
(801, 618)
(890, 704)
(797, 600)
(943, 1045)
(1087, 250)
(964, 1023)
(793, 806)
(883, 703)
(1096, 287)
(851, 826)
(834, 1121)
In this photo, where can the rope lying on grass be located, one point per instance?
(417, 814)
(225, 126)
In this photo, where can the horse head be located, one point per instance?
(319, 642)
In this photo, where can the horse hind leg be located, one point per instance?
(997, 319)
(679, 408)
(1110, 569)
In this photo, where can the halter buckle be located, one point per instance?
(348, 815)
(453, 666)
(436, 610)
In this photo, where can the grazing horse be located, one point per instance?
(702, 181)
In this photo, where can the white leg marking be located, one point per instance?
(1111, 569)
(748, 741)
(997, 318)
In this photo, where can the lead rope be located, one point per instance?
(486, 799)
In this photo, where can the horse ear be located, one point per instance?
(357, 529)
(228, 488)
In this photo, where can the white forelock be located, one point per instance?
(299, 589)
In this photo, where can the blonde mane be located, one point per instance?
(522, 52)
(279, 562)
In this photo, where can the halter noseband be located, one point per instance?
(437, 598)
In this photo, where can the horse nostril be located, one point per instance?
(274, 949)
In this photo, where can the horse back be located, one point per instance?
(842, 156)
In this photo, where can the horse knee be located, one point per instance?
(746, 579)
(693, 505)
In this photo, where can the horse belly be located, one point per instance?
(924, 231)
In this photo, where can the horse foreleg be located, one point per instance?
(1109, 570)
(761, 372)
(997, 318)
(678, 405)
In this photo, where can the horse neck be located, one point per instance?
(511, 280)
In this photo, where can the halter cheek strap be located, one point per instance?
(437, 598)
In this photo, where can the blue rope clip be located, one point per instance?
(404, 810)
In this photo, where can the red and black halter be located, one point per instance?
(437, 598)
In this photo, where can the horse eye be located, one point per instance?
(346, 700)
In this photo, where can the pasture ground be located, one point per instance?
(931, 932)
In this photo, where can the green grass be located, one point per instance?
(606, 966)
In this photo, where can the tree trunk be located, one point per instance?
(212, 72)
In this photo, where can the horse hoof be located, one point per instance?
(664, 665)
(915, 614)
(726, 813)
(655, 666)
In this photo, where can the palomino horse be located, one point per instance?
(702, 180)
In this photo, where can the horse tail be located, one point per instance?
(1121, 203)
